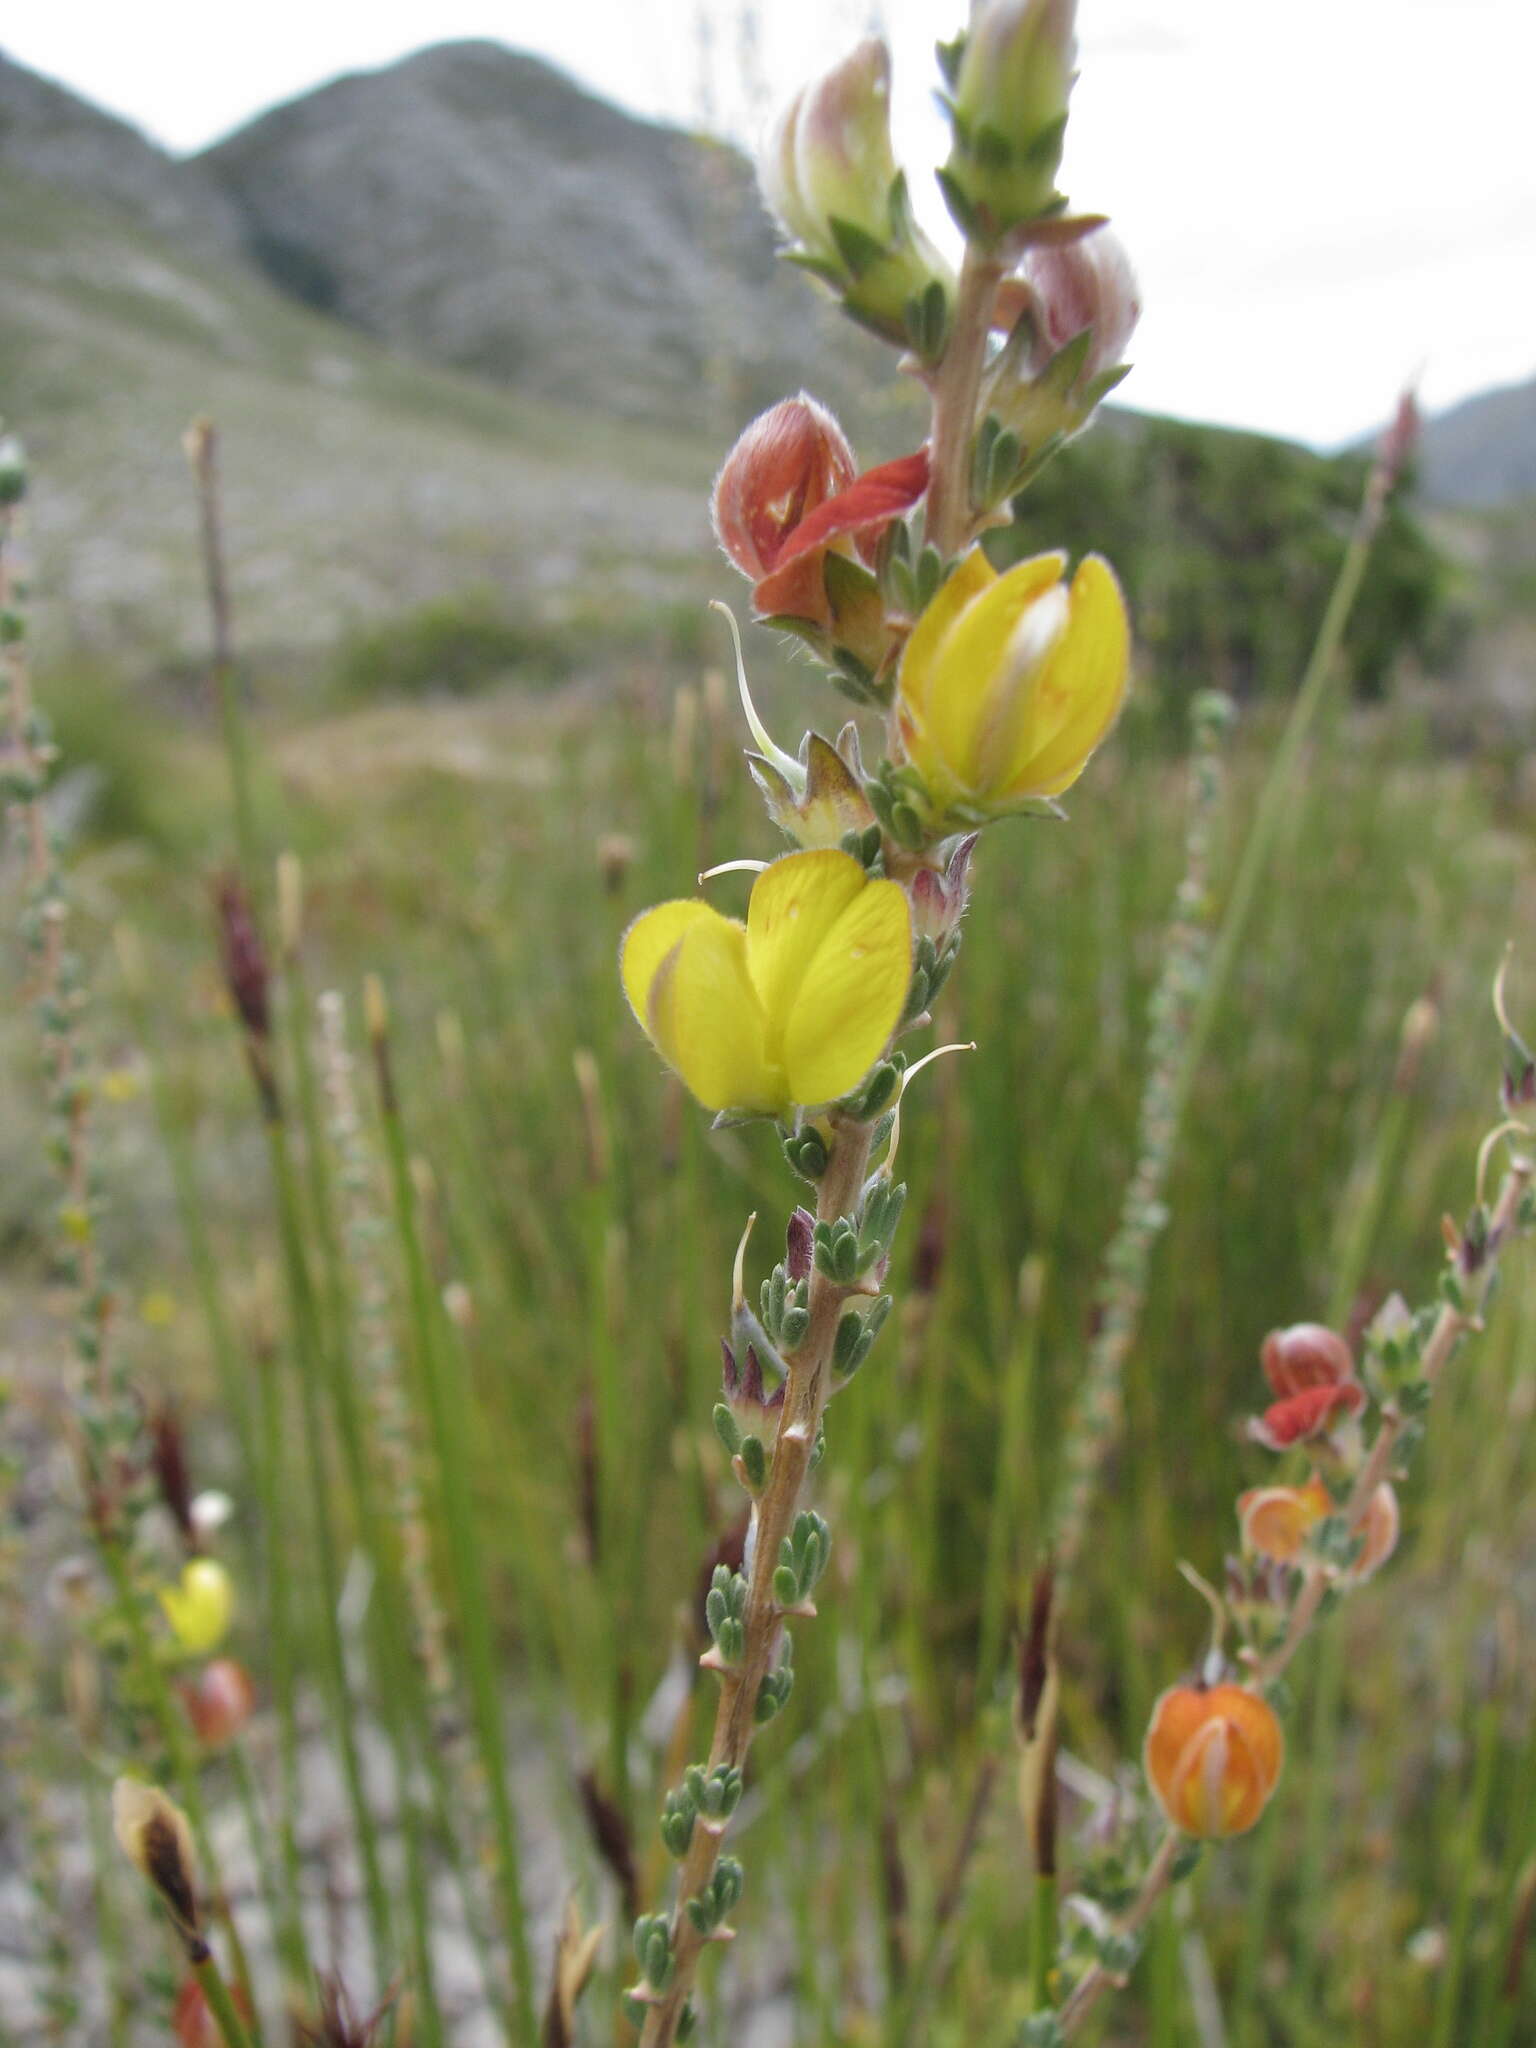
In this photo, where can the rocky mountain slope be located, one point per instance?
(1483, 451)
(475, 207)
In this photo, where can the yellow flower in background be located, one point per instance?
(1009, 682)
(795, 1005)
(201, 1607)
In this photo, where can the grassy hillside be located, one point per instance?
(358, 484)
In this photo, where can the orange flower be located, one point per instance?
(1276, 1520)
(1212, 1757)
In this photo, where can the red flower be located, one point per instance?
(1302, 1417)
(788, 493)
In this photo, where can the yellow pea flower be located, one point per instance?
(795, 1005)
(201, 1607)
(1009, 682)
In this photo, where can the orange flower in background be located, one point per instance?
(1213, 1756)
(1276, 1520)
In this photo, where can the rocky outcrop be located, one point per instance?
(475, 207)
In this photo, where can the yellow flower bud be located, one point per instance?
(795, 1005)
(1010, 682)
(200, 1607)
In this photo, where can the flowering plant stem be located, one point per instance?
(773, 1517)
(1451, 1324)
(954, 387)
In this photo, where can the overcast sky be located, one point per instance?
(1322, 198)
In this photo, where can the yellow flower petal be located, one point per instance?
(705, 1020)
(850, 997)
(201, 1607)
(1078, 694)
(920, 662)
(971, 693)
(648, 942)
(795, 903)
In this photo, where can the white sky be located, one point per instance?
(1322, 197)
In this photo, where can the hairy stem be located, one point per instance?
(955, 385)
(772, 1519)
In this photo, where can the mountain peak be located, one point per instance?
(475, 206)
(53, 137)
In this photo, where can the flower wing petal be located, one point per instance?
(795, 903)
(648, 942)
(848, 1002)
(685, 972)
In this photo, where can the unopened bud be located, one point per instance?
(829, 174)
(1009, 114)
(1067, 289)
(244, 958)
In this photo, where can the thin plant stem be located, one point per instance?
(449, 1432)
(773, 1515)
(220, 2004)
(201, 446)
(1453, 1972)
(309, 1370)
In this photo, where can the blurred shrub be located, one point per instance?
(450, 647)
(1228, 544)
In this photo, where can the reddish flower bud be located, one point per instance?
(939, 900)
(244, 958)
(799, 1240)
(1072, 288)
(746, 1391)
(1305, 1355)
(1213, 1756)
(219, 1701)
